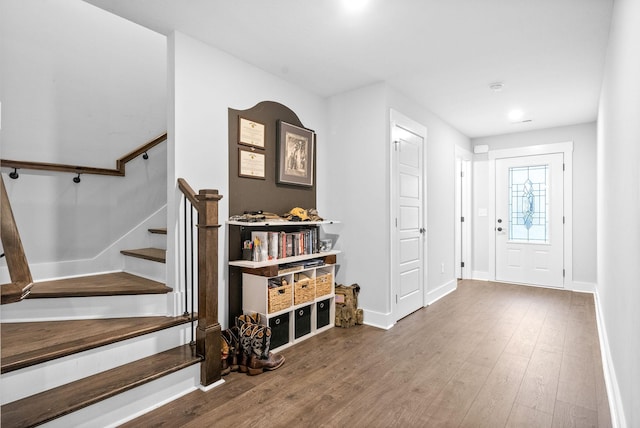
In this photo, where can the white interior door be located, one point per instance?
(529, 220)
(408, 182)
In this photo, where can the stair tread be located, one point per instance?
(56, 402)
(111, 284)
(155, 254)
(28, 343)
(158, 230)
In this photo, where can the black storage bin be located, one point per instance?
(303, 321)
(279, 330)
(322, 311)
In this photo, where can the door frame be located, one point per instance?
(397, 118)
(462, 247)
(567, 149)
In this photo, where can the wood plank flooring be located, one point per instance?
(487, 355)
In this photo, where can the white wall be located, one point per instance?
(584, 195)
(79, 86)
(618, 208)
(359, 184)
(203, 83)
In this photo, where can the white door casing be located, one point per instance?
(529, 220)
(566, 149)
(407, 211)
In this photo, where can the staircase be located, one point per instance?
(83, 371)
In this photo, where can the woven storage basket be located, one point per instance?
(324, 284)
(279, 298)
(304, 290)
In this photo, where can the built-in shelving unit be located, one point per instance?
(294, 295)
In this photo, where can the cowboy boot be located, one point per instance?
(231, 341)
(245, 345)
(224, 347)
(260, 358)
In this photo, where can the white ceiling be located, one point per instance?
(443, 53)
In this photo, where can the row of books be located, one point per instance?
(279, 245)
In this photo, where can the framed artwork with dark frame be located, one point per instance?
(295, 154)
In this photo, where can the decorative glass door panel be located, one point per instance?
(529, 220)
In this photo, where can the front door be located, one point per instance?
(408, 183)
(529, 220)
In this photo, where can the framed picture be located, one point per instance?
(250, 133)
(295, 154)
(251, 164)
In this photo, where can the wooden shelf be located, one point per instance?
(275, 222)
(256, 265)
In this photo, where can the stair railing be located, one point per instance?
(208, 331)
(119, 171)
(17, 264)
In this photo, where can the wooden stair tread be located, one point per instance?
(158, 230)
(56, 402)
(111, 284)
(155, 254)
(29, 343)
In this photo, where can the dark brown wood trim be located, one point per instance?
(208, 333)
(188, 192)
(17, 263)
(77, 169)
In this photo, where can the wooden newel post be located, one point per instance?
(208, 333)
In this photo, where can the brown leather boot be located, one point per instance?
(258, 365)
(260, 358)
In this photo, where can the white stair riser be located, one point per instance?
(121, 408)
(157, 240)
(72, 308)
(146, 268)
(32, 380)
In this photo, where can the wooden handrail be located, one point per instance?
(208, 332)
(188, 192)
(17, 264)
(76, 169)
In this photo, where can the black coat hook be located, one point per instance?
(76, 179)
(14, 174)
(145, 156)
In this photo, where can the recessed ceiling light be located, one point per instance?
(496, 86)
(516, 115)
(354, 5)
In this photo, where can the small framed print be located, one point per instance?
(295, 155)
(251, 164)
(251, 133)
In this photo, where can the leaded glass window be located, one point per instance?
(528, 203)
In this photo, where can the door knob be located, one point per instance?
(423, 230)
(499, 220)
(499, 229)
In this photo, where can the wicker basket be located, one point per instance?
(324, 284)
(304, 290)
(279, 298)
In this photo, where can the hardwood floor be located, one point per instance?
(487, 355)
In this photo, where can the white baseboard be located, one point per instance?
(480, 275)
(378, 319)
(616, 409)
(581, 287)
(441, 291)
